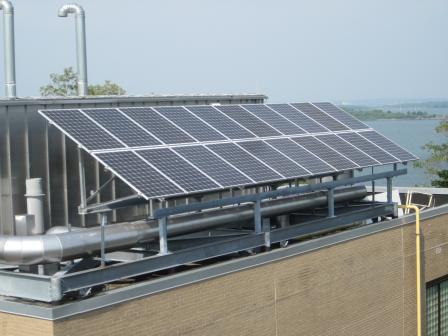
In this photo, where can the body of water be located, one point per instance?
(411, 135)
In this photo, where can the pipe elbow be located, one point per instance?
(6, 6)
(76, 9)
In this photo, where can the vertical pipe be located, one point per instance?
(9, 48)
(35, 204)
(389, 189)
(418, 267)
(163, 242)
(81, 50)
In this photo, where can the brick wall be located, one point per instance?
(361, 287)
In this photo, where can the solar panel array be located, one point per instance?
(170, 151)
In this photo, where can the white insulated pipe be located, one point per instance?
(35, 204)
(9, 48)
(81, 49)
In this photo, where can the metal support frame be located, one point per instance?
(82, 178)
(103, 239)
(330, 199)
(257, 217)
(163, 238)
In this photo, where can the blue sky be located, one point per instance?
(346, 50)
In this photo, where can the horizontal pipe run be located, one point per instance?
(40, 249)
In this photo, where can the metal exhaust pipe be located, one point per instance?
(9, 48)
(49, 248)
(81, 59)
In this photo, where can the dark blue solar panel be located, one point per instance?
(345, 148)
(341, 115)
(275, 119)
(303, 157)
(248, 120)
(388, 146)
(123, 128)
(157, 125)
(213, 166)
(190, 123)
(298, 118)
(321, 117)
(138, 174)
(368, 148)
(274, 159)
(219, 121)
(245, 162)
(321, 150)
(82, 129)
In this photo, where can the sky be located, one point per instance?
(290, 50)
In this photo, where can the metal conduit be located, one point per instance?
(49, 248)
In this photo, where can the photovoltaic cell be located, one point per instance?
(213, 166)
(342, 116)
(180, 171)
(157, 125)
(190, 123)
(298, 118)
(245, 162)
(368, 147)
(82, 129)
(321, 150)
(272, 118)
(219, 121)
(248, 120)
(321, 117)
(121, 127)
(301, 156)
(388, 145)
(274, 159)
(343, 147)
(138, 174)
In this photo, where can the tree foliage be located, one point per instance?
(437, 163)
(66, 84)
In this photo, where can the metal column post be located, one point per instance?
(163, 242)
(373, 188)
(82, 178)
(103, 240)
(257, 215)
(389, 189)
(330, 199)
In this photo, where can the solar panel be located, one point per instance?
(180, 171)
(368, 148)
(219, 121)
(335, 159)
(345, 148)
(275, 119)
(341, 115)
(389, 146)
(300, 155)
(281, 163)
(172, 151)
(123, 128)
(139, 175)
(298, 118)
(245, 162)
(213, 166)
(321, 117)
(248, 120)
(82, 130)
(190, 123)
(157, 125)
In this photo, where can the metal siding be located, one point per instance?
(31, 148)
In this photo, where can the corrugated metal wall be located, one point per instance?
(30, 148)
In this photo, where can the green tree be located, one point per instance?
(65, 84)
(437, 163)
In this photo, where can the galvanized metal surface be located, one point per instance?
(112, 297)
(9, 48)
(30, 148)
